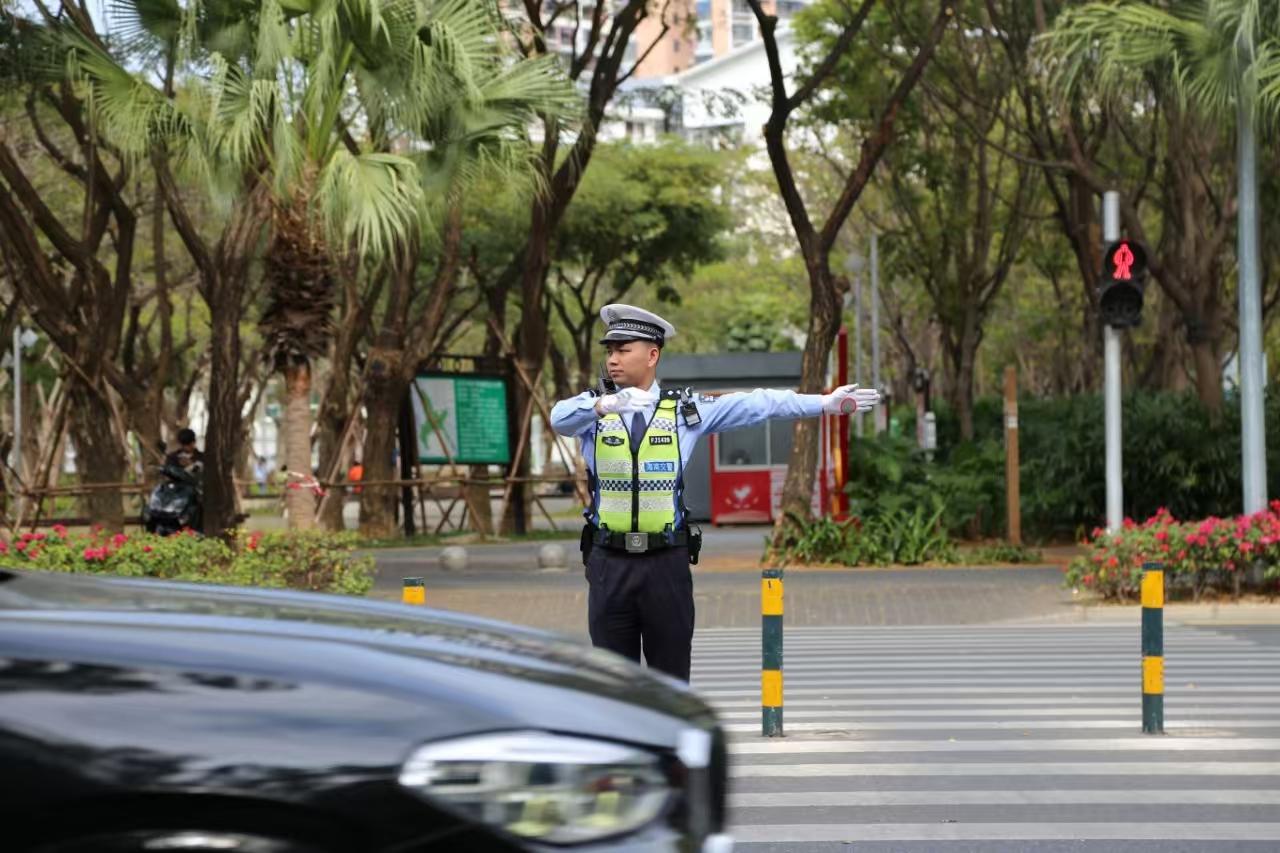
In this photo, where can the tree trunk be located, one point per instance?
(496, 300)
(1208, 375)
(384, 393)
(332, 429)
(824, 322)
(1085, 232)
(146, 423)
(961, 354)
(560, 381)
(223, 275)
(299, 496)
(100, 457)
(222, 436)
(331, 424)
(963, 399)
(1164, 365)
(531, 346)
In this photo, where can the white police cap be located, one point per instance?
(629, 323)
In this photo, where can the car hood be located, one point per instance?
(407, 654)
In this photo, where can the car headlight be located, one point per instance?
(552, 788)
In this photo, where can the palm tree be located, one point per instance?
(1222, 59)
(351, 110)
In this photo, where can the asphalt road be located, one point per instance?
(954, 710)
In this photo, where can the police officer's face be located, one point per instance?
(631, 362)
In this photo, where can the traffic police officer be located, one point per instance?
(636, 440)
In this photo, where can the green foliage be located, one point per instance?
(746, 303)
(889, 475)
(311, 560)
(1211, 52)
(1213, 555)
(643, 214)
(435, 80)
(1176, 455)
(820, 540)
(755, 330)
(898, 536)
(908, 536)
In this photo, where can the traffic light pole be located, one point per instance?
(1111, 381)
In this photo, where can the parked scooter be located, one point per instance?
(176, 503)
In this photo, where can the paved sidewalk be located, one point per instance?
(727, 599)
(502, 581)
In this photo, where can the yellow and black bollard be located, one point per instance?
(414, 591)
(1153, 648)
(771, 649)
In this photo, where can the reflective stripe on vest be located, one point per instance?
(637, 492)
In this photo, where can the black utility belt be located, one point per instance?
(639, 543)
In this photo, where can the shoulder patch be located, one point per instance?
(707, 398)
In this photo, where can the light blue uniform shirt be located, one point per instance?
(576, 417)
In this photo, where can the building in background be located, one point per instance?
(698, 31)
(719, 103)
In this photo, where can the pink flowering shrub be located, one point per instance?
(1214, 554)
(313, 560)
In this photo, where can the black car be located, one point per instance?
(145, 715)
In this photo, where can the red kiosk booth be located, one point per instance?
(749, 466)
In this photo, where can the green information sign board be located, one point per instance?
(468, 413)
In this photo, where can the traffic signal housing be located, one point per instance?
(1124, 273)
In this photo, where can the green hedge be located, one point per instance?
(313, 560)
(1212, 555)
(896, 536)
(889, 476)
(1175, 457)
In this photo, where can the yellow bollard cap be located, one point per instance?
(414, 591)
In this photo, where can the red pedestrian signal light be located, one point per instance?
(1120, 294)
(1123, 261)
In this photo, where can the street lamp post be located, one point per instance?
(881, 411)
(855, 264)
(1252, 422)
(22, 339)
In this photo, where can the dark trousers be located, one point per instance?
(643, 601)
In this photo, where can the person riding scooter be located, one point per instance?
(176, 503)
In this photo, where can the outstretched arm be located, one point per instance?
(742, 409)
(746, 408)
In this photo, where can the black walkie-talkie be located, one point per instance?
(609, 386)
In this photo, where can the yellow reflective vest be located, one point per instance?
(636, 487)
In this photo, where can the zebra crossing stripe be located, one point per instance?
(865, 832)
(1000, 736)
(1009, 797)
(740, 770)
(1127, 744)
(1187, 726)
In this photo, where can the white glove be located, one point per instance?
(626, 400)
(848, 399)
